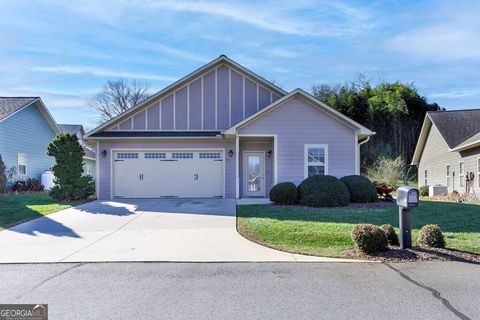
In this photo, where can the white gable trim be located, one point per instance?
(309, 99)
(182, 82)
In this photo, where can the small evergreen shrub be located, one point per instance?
(431, 236)
(423, 190)
(284, 193)
(369, 238)
(390, 233)
(360, 188)
(70, 184)
(29, 185)
(323, 191)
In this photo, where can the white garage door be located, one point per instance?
(157, 174)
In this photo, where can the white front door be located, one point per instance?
(254, 174)
(158, 173)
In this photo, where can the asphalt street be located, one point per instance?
(430, 290)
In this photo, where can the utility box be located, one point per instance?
(437, 190)
(407, 197)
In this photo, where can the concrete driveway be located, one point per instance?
(197, 230)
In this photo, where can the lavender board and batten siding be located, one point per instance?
(229, 96)
(297, 123)
(105, 163)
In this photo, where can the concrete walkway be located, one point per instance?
(196, 230)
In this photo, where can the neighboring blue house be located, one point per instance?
(26, 129)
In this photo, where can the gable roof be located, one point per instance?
(363, 131)
(11, 105)
(456, 126)
(460, 129)
(71, 128)
(222, 59)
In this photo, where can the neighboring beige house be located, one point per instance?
(448, 150)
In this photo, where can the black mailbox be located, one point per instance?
(407, 197)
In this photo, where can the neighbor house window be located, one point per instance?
(22, 164)
(316, 159)
(425, 181)
(449, 176)
(461, 174)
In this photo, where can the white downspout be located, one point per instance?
(358, 162)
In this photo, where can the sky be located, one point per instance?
(64, 51)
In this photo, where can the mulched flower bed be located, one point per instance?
(377, 204)
(395, 254)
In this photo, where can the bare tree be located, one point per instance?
(118, 96)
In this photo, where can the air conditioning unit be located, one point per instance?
(437, 190)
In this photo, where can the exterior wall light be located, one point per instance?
(104, 153)
(230, 153)
(269, 153)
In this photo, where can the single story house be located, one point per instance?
(222, 131)
(89, 167)
(26, 129)
(448, 150)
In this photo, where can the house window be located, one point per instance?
(22, 164)
(461, 174)
(449, 178)
(425, 181)
(316, 159)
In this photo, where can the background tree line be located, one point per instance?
(395, 111)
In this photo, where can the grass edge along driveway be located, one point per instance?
(326, 231)
(16, 209)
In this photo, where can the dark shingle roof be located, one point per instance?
(70, 128)
(151, 134)
(9, 105)
(456, 126)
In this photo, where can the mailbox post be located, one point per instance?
(407, 198)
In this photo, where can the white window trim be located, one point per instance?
(478, 173)
(461, 175)
(448, 175)
(307, 146)
(18, 164)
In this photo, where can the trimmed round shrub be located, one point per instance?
(284, 193)
(369, 238)
(423, 190)
(323, 191)
(390, 233)
(360, 188)
(431, 236)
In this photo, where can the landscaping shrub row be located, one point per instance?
(371, 239)
(325, 191)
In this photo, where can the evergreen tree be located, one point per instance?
(70, 184)
(3, 175)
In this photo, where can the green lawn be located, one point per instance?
(327, 231)
(15, 209)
